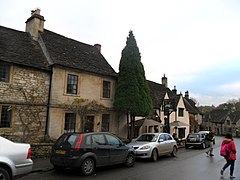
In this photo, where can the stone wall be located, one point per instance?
(27, 95)
(27, 79)
(41, 150)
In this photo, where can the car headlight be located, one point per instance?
(145, 147)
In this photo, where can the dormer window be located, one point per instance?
(180, 112)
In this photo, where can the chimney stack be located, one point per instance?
(174, 90)
(35, 24)
(186, 95)
(98, 46)
(164, 81)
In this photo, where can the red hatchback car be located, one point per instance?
(86, 151)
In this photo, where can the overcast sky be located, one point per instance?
(196, 43)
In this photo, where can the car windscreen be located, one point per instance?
(193, 136)
(147, 137)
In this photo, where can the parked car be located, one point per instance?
(197, 140)
(15, 159)
(207, 132)
(86, 151)
(153, 145)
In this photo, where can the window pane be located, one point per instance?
(105, 122)
(6, 114)
(70, 121)
(106, 89)
(88, 140)
(112, 140)
(4, 72)
(180, 112)
(98, 139)
(72, 83)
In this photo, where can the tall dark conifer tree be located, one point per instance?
(132, 92)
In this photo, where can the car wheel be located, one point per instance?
(174, 151)
(186, 146)
(130, 160)
(203, 145)
(88, 166)
(4, 174)
(154, 155)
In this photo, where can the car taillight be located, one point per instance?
(29, 153)
(79, 142)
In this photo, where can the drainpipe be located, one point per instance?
(48, 104)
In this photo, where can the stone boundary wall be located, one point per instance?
(41, 150)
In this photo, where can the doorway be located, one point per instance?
(89, 125)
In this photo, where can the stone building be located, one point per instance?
(24, 86)
(178, 114)
(223, 121)
(78, 71)
(55, 71)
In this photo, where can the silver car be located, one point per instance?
(153, 145)
(15, 159)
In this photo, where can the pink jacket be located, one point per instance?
(231, 148)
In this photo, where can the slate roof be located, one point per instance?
(157, 92)
(74, 54)
(235, 116)
(19, 48)
(218, 115)
(139, 122)
(221, 115)
(190, 106)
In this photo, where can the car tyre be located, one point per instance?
(154, 155)
(186, 146)
(130, 160)
(174, 151)
(4, 174)
(88, 166)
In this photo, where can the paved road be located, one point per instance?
(190, 164)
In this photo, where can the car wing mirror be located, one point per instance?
(160, 140)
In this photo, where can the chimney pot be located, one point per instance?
(98, 46)
(36, 11)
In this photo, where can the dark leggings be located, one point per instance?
(231, 163)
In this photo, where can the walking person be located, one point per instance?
(231, 157)
(211, 139)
